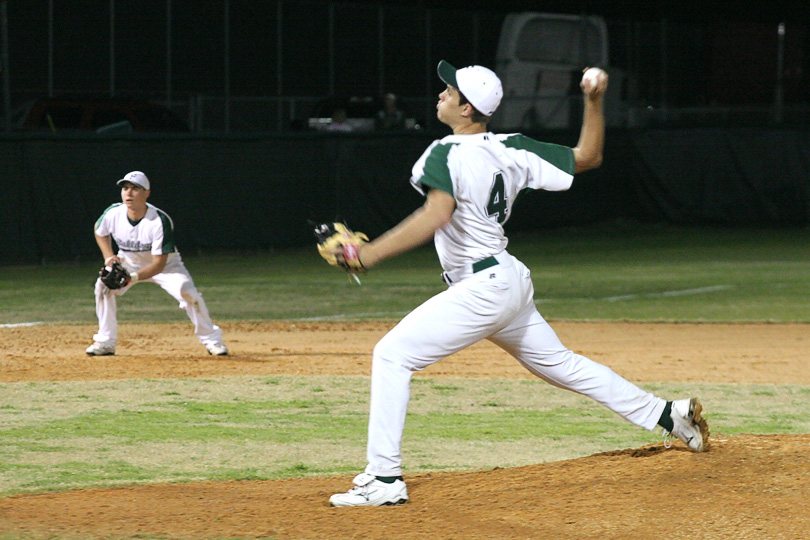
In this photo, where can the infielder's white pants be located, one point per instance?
(176, 281)
(496, 303)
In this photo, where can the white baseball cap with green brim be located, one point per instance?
(137, 178)
(480, 85)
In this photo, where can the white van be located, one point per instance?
(540, 59)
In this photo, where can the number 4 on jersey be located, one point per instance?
(497, 199)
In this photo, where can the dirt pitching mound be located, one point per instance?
(744, 487)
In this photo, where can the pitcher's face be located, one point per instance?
(449, 109)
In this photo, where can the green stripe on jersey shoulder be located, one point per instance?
(168, 233)
(560, 156)
(104, 213)
(437, 172)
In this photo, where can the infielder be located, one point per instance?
(144, 235)
(471, 180)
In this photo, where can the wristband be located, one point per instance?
(133, 277)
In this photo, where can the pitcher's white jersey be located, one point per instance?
(490, 293)
(485, 173)
(138, 242)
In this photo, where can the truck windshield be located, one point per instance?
(559, 42)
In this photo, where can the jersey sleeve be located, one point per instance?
(163, 240)
(102, 226)
(549, 166)
(432, 170)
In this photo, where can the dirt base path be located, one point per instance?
(715, 353)
(744, 487)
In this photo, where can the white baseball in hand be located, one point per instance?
(593, 79)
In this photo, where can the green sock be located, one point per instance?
(388, 479)
(666, 420)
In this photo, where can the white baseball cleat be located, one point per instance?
(687, 425)
(368, 491)
(217, 349)
(101, 349)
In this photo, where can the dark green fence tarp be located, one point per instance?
(257, 192)
(724, 177)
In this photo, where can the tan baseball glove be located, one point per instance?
(340, 246)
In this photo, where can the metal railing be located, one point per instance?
(255, 114)
(212, 113)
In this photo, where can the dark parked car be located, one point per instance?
(59, 114)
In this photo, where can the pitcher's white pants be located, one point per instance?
(496, 304)
(176, 281)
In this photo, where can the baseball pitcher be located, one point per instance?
(470, 180)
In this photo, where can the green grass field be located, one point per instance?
(76, 435)
(606, 272)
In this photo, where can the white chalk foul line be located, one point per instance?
(379, 314)
(682, 292)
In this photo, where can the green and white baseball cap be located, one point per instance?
(479, 85)
(137, 178)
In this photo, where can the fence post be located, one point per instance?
(279, 58)
(381, 89)
(779, 95)
(112, 48)
(226, 16)
(4, 65)
(169, 54)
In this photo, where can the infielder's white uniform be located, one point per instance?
(137, 243)
(490, 292)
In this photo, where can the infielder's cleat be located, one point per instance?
(101, 349)
(368, 491)
(688, 425)
(217, 349)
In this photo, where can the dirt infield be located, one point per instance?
(744, 487)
